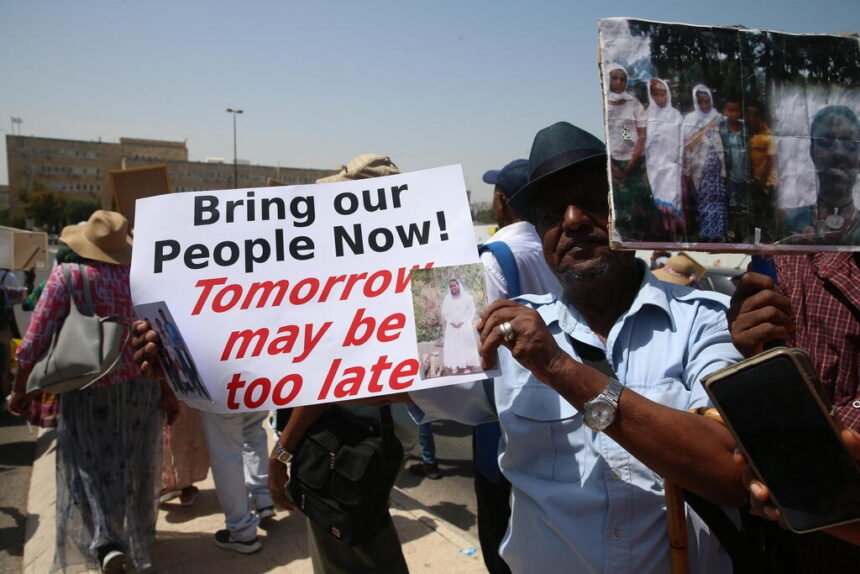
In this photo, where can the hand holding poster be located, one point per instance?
(731, 139)
(296, 295)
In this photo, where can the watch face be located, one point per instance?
(600, 415)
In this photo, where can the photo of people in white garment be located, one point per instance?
(731, 139)
(448, 302)
(176, 361)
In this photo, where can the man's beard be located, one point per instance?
(586, 275)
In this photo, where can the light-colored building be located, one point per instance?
(81, 169)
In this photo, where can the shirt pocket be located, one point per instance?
(669, 392)
(545, 437)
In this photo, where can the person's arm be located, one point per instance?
(18, 400)
(638, 149)
(301, 419)
(692, 451)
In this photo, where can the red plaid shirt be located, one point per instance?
(824, 290)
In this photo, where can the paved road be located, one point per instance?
(453, 496)
(17, 446)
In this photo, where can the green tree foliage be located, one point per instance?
(744, 62)
(78, 210)
(45, 207)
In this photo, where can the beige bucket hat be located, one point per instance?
(363, 167)
(103, 238)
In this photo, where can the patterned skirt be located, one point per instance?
(711, 201)
(108, 463)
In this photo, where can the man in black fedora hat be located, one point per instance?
(596, 386)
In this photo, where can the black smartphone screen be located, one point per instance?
(791, 444)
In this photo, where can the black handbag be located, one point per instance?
(343, 471)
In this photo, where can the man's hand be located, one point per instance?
(279, 476)
(533, 346)
(758, 314)
(759, 494)
(146, 345)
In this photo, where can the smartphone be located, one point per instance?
(774, 405)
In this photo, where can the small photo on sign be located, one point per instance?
(448, 301)
(176, 361)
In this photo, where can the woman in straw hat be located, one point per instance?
(109, 435)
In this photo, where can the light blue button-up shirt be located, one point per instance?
(580, 502)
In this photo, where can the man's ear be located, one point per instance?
(503, 199)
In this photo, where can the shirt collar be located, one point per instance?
(512, 230)
(652, 292)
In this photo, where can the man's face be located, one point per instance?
(498, 204)
(571, 216)
(617, 81)
(732, 111)
(658, 94)
(704, 101)
(836, 154)
(753, 119)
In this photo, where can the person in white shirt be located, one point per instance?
(525, 272)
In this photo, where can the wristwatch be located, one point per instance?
(599, 412)
(281, 454)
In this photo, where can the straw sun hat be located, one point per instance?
(103, 238)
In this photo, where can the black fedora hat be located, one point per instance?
(556, 148)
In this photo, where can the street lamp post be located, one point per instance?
(235, 161)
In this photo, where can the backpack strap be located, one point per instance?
(505, 257)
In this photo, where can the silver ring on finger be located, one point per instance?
(507, 331)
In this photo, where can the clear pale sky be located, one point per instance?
(429, 83)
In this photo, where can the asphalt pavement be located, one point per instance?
(452, 497)
(17, 448)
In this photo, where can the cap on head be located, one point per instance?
(511, 178)
(558, 147)
(363, 167)
(681, 269)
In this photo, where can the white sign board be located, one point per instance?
(287, 296)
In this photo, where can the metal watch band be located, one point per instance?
(281, 454)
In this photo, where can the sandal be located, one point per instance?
(168, 495)
(188, 496)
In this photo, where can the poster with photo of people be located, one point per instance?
(176, 362)
(731, 139)
(448, 301)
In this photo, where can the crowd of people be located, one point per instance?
(602, 365)
(711, 175)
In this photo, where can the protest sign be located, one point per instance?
(286, 296)
(731, 139)
(129, 185)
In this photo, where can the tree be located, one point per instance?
(78, 210)
(45, 207)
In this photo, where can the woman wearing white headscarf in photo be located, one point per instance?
(460, 350)
(663, 155)
(704, 167)
(626, 129)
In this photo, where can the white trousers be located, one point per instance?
(239, 455)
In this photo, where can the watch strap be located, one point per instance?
(281, 454)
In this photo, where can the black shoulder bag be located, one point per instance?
(343, 472)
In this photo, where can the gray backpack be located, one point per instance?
(84, 348)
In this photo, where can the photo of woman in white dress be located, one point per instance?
(460, 349)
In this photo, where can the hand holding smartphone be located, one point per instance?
(775, 407)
